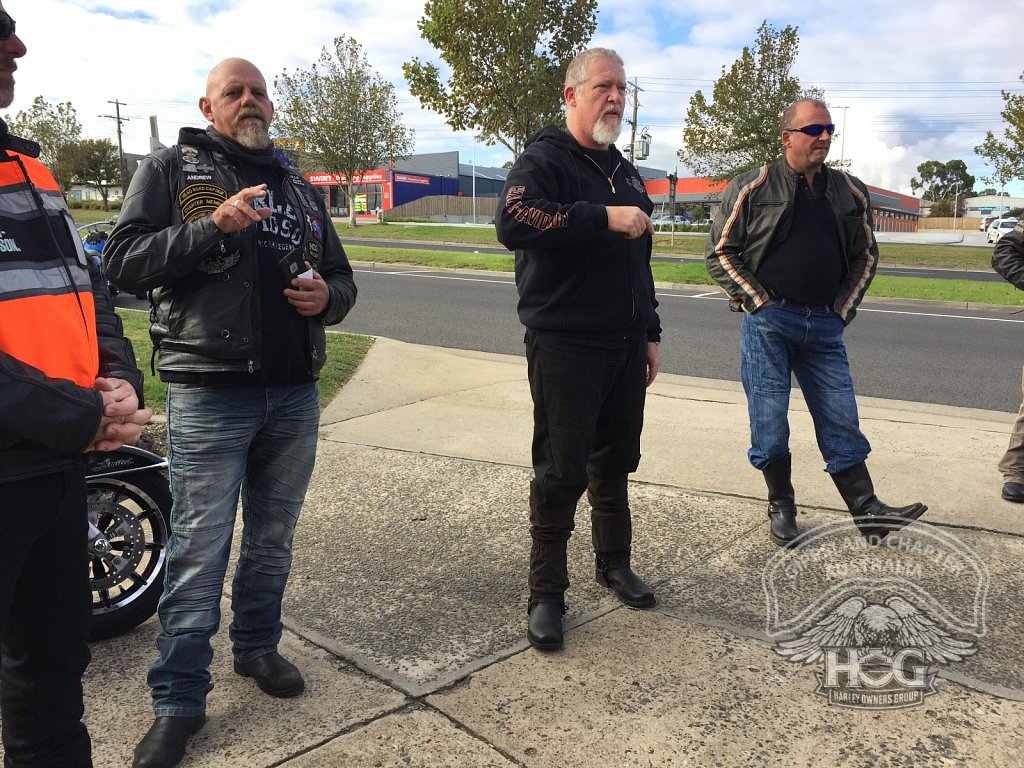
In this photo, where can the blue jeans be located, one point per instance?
(784, 339)
(223, 442)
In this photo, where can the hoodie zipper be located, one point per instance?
(601, 170)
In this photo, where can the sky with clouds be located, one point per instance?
(907, 82)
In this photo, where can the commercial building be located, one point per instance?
(441, 174)
(427, 175)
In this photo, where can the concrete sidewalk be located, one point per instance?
(406, 608)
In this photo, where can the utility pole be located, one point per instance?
(842, 142)
(120, 148)
(632, 123)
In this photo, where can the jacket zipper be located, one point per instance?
(601, 171)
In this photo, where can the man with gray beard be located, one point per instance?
(578, 217)
(245, 270)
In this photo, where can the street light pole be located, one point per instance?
(474, 179)
(956, 195)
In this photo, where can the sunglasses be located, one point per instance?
(816, 129)
(6, 26)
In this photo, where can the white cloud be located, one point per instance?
(918, 83)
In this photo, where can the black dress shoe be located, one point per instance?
(163, 746)
(628, 587)
(274, 674)
(544, 630)
(1014, 492)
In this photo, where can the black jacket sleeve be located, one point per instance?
(531, 213)
(147, 248)
(54, 413)
(1008, 256)
(336, 272)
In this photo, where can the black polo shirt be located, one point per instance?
(804, 263)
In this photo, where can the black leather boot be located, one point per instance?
(164, 744)
(274, 674)
(544, 629)
(612, 531)
(778, 476)
(874, 519)
(615, 573)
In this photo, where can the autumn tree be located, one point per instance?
(507, 63)
(739, 129)
(1006, 155)
(55, 128)
(942, 183)
(343, 114)
(95, 163)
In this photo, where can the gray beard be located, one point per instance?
(253, 134)
(606, 134)
(6, 95)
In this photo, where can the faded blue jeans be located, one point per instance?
(225, 442)
(784, 339)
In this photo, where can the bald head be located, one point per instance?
(237, 103)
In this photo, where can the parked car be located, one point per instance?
(665, 221)
(985, 222)
(1000, 227)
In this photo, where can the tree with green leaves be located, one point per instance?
(343, 114)
(507, 63)
(739, 129)
(943, 182)
(55, 128)
(1006, 155)
(95, 163)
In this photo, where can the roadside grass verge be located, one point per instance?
(344, 353)
(899, 254)
(492, 262)
(961, 291)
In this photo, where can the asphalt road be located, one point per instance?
(920, 351)
(910, 351)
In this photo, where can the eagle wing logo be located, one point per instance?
(891, 627)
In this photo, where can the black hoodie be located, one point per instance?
(575, 277)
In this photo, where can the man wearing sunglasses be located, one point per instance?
(793, 247)
(68, 385)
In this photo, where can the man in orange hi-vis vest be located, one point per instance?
(68, 385)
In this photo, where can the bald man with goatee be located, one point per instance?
(245, 271)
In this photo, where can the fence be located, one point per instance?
(947, 222)
(445, 208)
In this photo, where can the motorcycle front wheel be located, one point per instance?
(133, 514)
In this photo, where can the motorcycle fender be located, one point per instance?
(125, 459)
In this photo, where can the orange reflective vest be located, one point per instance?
(47, 308)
